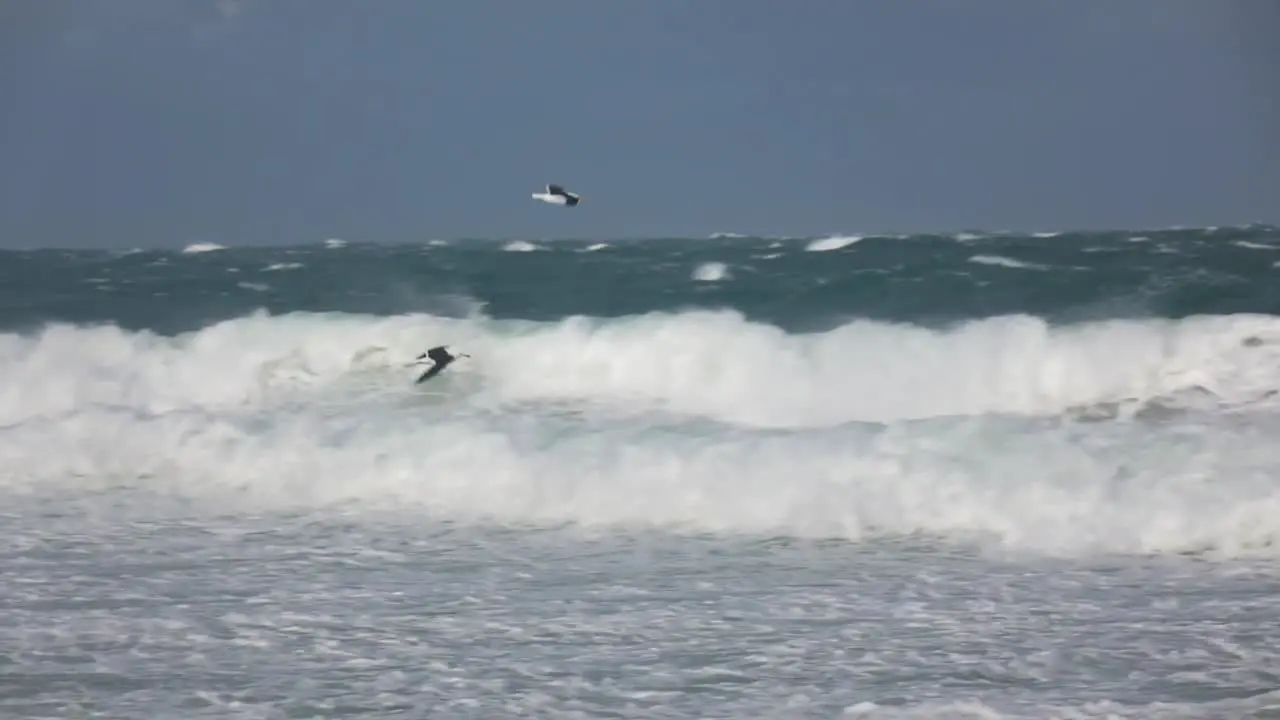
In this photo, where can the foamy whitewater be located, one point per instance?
(949, 476)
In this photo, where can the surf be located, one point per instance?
(694, 421)
(713, 364)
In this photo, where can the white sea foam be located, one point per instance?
(697, 420)
(1002, 261)
(832, 243)
(520, 246)
(711, 272)
(1254, 245)
(196, 248)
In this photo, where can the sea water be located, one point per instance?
(982, 475)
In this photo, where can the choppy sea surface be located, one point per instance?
(949, 476)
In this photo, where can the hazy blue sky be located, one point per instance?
(165, 122)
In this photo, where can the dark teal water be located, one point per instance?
(924, 279)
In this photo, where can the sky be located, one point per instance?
(161, 123)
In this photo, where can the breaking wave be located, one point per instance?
(702, 421)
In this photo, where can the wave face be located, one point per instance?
(1075, 393)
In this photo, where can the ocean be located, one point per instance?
(971, 475)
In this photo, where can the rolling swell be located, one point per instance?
(798, 284)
